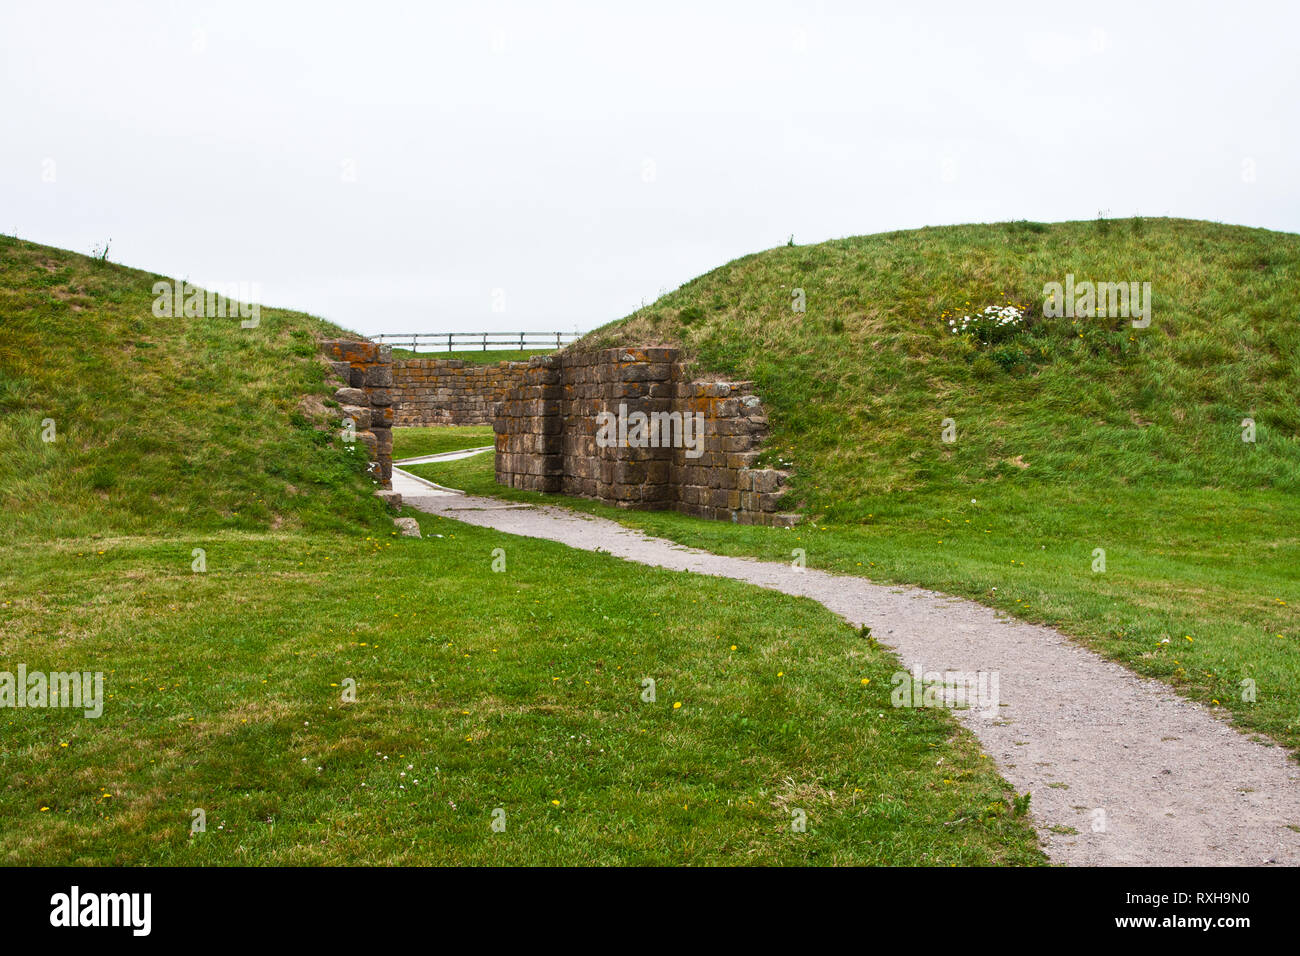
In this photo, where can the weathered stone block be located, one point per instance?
(360, 415)
(351, 396)
(379, 375)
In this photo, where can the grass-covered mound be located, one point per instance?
(158, 422)
(857, 386)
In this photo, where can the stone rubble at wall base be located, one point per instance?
(365, 370)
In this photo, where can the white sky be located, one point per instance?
(389, 166)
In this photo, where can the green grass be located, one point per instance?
(416, 441)
(517, 690)
(1233, 590)
(1071, 435)
(476, 356)
(159, 423)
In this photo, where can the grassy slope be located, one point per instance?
(858, 385)
(518, 690)
(160, 423)
(1131, 437)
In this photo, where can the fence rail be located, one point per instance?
(438, 341)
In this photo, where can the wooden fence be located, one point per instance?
(450, 341)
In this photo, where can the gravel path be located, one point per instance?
(1144, 776)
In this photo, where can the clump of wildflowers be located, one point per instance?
(993, 317)
(994, 323)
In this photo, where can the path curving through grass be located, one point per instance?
(1122, 770)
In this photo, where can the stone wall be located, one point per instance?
(364, 374)
(450, 391)
(549, 436)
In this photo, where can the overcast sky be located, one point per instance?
(507, 166)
